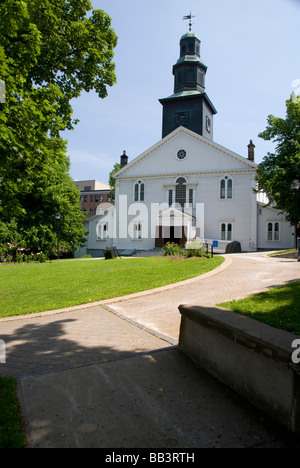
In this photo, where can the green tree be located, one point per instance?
(112, 180)
(277, 170)
(50, 52)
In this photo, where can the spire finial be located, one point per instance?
(189, 17)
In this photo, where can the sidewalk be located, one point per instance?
(110, 375)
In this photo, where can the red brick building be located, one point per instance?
(92, 193)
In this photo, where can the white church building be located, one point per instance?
(186, 186)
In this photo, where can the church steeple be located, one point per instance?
(189, 71)
(189, 106)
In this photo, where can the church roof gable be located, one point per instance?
(203, 156)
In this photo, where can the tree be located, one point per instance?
(112, 180)
(277, 170)
(50, 52)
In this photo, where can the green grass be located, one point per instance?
(28, 288)
(283, 252)
(11, 428)
(279, 307)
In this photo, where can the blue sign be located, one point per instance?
(215, 244)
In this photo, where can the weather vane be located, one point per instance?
(189, 17)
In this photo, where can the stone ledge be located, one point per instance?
(249, 356)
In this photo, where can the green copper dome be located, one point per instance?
(190, 34)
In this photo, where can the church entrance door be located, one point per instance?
(170, 234)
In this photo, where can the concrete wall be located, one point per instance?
(249, 356)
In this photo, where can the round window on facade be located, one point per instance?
(181, 154)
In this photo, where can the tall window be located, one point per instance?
(180, 193)
(102, 231)
(226, 188)
(139, 191)
(191, 197)
(190, 75)
(273, 231)
(226, 231)
(137, 231)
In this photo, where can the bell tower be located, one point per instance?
(189, 106)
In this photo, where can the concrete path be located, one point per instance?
(110, 375)
(240, 276)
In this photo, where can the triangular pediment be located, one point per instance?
(202, 156)
(174, 214)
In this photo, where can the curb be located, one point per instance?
(225, 264)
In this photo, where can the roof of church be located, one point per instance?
(251, 165)
(186, 94)
(191, 58)
(190, 34)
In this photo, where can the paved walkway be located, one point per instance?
(240, 276)
(110, 374)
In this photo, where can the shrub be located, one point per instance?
(170, 248)
(19, 257)
(41, 257)
(195, 248)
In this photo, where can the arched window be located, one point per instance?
(223, 188)
(273, 231)
(139, 191)
(102, 231)
(137, 231)
(226, 188)
(180, 193)
(226, 231)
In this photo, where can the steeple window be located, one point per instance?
(190, 75)
(200, 78)
(179, 77)
(191, 48)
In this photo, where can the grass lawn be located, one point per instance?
(11, 430)
(284, 252)
(278, 307)
(28, 288)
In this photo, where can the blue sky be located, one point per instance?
(251, 49)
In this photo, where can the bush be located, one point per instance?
(196, 249)
(170, 248)
(21, 257)
(41, 257)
